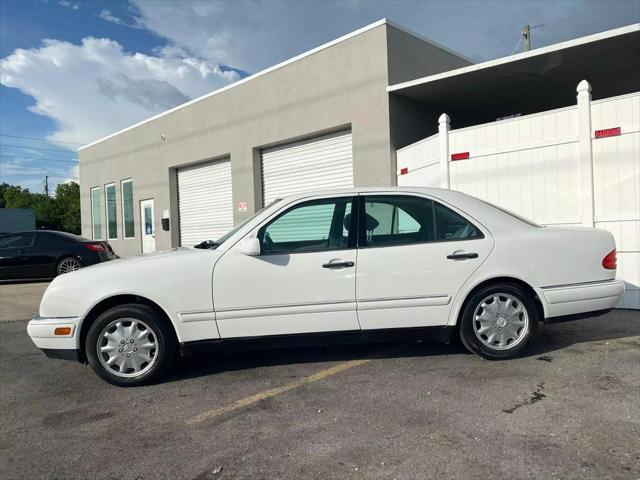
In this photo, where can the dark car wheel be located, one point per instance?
(130, 345)
(498, 321)
(68, 264)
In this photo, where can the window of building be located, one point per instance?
(126, 189)
(110, 210)
(96, 213)
(311, 226)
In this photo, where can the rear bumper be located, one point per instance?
(42, 333)
(582, 297)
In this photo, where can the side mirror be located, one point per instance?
(250, 246)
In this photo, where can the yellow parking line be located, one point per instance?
(216, 412)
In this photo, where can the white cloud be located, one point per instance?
(74, 175)
(67, 4)
(109, 17)
(252, 35)
(96, 88)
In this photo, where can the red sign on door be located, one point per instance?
(460, 156)
(608, 132)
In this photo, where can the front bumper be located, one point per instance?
(582, 297)
(42, 333)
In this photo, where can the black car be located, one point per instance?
(46, 253)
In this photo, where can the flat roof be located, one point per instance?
(529, 82)
(364, 29)
(517, 57)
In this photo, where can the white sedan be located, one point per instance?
(356, 265)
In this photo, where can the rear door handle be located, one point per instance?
(339, 264)
(462, 255)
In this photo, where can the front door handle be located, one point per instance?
(462, 255)
(339, 264)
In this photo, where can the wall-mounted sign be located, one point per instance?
(608, 132)
(243, 206)
(460, 156)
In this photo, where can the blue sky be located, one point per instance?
(74, 71)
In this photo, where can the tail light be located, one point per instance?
(95, 247)
(610, 261)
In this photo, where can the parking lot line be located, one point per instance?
(250, 400)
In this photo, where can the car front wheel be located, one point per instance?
(130, 345)
(498, 321)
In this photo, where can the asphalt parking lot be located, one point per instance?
(569, 409)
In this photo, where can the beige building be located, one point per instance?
(320, 120)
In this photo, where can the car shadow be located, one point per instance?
(552, 337)
(25, 280)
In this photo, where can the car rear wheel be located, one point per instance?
(130, 345)
(68, 264)
(498, 321)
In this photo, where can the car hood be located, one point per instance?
(174, 277)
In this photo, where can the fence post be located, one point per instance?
(585, 154)
(443, 139)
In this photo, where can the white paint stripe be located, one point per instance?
(250, 400)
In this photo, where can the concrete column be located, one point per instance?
(585, 154)
(444, 124)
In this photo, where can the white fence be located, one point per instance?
(578, 165)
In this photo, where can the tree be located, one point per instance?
(61, 212)
(67, 202)
(3, 188)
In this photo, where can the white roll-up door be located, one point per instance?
(317, 164)
(205, 203)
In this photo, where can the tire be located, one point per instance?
(139, 345)
(68, 264)
(498, 321)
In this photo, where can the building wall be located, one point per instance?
(410, 58)
(341, 86)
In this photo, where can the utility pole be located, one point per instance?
(526, 34)
(46, 185)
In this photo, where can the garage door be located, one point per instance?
(205, 204)
(317, 164)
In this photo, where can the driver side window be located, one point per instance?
(317, 225)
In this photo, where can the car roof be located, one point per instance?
(495, 218)
(71, 236)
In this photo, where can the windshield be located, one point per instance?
(213, 244)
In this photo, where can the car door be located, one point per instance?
(14, 255)
(303, 280)
(48, 246)
(414, 255)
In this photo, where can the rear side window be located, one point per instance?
(397, 220)
(16, 240)
(48, 240)
(402, 220)
(451, 226)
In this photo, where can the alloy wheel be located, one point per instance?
(127, 347)
(68, 265)
(500, 321)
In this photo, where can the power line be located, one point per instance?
(14, 157)
(40, 139)
(15, 174)
(34, 148)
